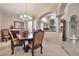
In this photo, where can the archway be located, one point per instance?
(48, 22)
(73, 27)
(63, 29)
(52, 25)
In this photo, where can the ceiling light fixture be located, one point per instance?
(26, 17)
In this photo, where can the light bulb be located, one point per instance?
(28, 16)
(25, 15)
(21, 16)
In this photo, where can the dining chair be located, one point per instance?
(15, 42)
(37, 41)
(5, 34)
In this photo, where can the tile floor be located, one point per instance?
(49, 49)
(67, 48)
(71, 47)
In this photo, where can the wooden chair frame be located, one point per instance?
(32, 49)
(12, 43)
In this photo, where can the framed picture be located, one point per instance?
(18, 25)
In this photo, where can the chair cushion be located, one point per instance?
(35, 46)
(30, 45)
(5, 32)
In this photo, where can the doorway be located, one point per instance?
(73, 27)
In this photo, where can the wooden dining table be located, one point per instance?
(28, 38)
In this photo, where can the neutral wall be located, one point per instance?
(8, 20)
(0, 25)
(0, 20)
(54, 37)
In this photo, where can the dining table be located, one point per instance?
(27, 38)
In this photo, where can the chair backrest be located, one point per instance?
(11, 34)
(13, 38)
(38, 37)
(5, 32)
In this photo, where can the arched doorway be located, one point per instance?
(52, 25)
(73, 27)
(48, 22)
(63, 29)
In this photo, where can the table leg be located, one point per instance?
(25, 47)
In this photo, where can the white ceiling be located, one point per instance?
(33, 9)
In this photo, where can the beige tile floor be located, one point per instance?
(68, 48)
(52, 46)
(71, 47)
(49, 49)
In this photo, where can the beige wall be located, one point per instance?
(0, 20)
(54, 37)
(8, 20)
(0, 25)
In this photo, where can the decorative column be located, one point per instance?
(59, 22)
(77, 29)
(64, 30)
(24, 24)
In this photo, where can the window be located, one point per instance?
(52, 25)
(30, 26)
(35, 24)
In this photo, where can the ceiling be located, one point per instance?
(32, 9)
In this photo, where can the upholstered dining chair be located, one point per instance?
(14, 41)
(5, 34)
(37, 41)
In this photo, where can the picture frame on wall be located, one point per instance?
(18, 25)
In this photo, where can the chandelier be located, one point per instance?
(26, 17)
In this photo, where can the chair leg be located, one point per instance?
(41, 49)
(32, 52)
(12, 48)
(6, 40)
(24, 46)
(2, 40)
(26, 49)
